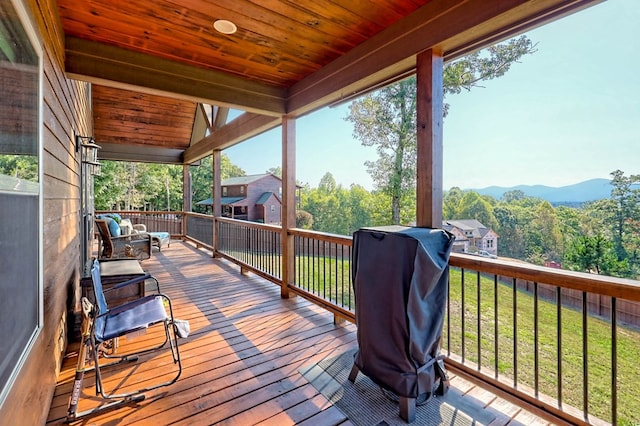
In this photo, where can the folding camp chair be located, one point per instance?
(102, 324)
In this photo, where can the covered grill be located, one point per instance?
(400, 279)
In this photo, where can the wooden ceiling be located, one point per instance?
(150, 59)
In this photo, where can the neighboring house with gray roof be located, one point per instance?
(472, 236)
(256, 198)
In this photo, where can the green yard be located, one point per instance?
(598, 340)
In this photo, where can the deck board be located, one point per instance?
(242, 358)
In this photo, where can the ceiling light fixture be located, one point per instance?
(225, 27)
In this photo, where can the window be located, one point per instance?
(242, 189)
(224, 191)
(489, 243)
(273, 208)
(20, 192)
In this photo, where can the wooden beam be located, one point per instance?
(139, 153)
(288, 202)
(241, 128)
(116, 67)
(200, 125)
(220, 117)
(451, 26)
(430, 101)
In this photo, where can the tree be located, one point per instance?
(20, 166)
(276, 171)
(592, 254)
(386, 118)
(624, 211)
(544, 238)
(304, 219)
(472, 206)
(202, 177)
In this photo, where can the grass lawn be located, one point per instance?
(598, 341)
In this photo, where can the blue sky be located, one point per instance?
(568, 113)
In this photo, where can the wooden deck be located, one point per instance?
(241, 361)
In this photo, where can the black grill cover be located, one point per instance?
(400, 280)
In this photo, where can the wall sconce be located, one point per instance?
(89, 153)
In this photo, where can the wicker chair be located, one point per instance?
(133, 246)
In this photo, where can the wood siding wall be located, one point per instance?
(66, 109)
(255, 191)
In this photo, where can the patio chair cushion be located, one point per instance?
(160, 238)
(114, 227)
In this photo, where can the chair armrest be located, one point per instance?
(140, 227)
(135, 280)
(128, 305)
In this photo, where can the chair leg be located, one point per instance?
(354, 373)
(170, 336)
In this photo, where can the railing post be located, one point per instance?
(217, 197)
(288, 203)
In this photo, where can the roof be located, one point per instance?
(264, 197)
(477, 229)
(226, 201)
(245, 180)
(164, 79)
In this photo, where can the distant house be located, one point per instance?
(472, 236)
(256, 198)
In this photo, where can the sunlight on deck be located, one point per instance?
(242, 361)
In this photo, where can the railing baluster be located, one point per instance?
(614, 361)
(479, 315)
(536, 366)
(559, 328)
(462, 314)
(495, 327)
(449, 315)
(585, 357)
(515, 333)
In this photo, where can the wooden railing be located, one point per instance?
(155, 221)
(549, 337)
(560, 342)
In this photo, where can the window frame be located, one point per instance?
(36, 44)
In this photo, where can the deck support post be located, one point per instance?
(288, 203)
(187, 201)
(430, 112)
(217, 197)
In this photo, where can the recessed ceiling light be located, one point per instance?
(225, 27)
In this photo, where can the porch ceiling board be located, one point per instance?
(123, 117)
(287, 58)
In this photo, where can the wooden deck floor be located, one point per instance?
(241, 361)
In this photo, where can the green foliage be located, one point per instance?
(386, 118)
(138, 186)
(20, 166)
(587, 239)
(592, 254)
(304, 220)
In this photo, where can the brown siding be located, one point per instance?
(66, 108)
(272, 216)
(256, 189)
